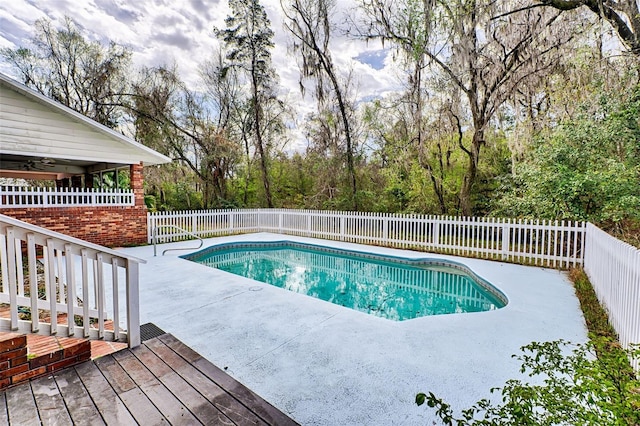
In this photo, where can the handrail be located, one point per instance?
(82, 280)
(155, 239)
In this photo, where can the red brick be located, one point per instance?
(19, 360)
(81, 346)
(67, 362)
(4, 383)
(12, 342)
(45, 359)
(13, 371)
(111, 226)
(28, 375)
(4, 365)
(16, 353)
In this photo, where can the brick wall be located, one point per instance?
(107, 226)
(16, 365)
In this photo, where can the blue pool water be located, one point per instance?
(393, 288)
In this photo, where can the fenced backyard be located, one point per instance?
(612, 265)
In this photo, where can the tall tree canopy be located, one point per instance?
(248, 40)
(478, 55)
(308, 21)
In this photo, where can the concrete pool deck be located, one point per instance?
(323, 364)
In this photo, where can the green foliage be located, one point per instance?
(585, 169)
(594, 314)
(577, 387)
(150, 202)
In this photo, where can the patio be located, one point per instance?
(324, 364)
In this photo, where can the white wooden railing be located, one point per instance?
(613, 268)
(24, 196)
(59, 285)
(551, 243)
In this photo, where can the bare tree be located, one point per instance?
(623, 15)
(479, 52)
(88, 77)
(309, 23)
(176, 121)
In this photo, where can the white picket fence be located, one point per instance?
(54, 284)
(550, 243)
(612, 265)
(613, 268)
(24, 196)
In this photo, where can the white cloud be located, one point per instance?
(164, 32)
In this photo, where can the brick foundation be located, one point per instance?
(107, 226)
(16, 366)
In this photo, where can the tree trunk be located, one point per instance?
(466, 205)
(259, 143)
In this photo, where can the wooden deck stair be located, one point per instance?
(162, 381)
(24, 357)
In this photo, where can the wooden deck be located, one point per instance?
(163, 381)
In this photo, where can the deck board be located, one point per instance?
(266, 411)
(4, 417)
(197, 404)
(160, 396)
(79, 404)
(233, 409)
(21, 405)
(111, 408)
(162, 381)
(138, 404)
(50, 403)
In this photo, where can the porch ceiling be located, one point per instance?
(37, 167)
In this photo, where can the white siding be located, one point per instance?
(31, 127)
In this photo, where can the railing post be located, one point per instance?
(436, 232)
(13, 285)
(133, 304)
(342, 227)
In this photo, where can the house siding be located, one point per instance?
(28, 127)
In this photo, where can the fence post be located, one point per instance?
(385, 228)
(342, 227)
(506, 232)
(436, 232)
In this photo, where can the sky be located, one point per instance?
(166, 31)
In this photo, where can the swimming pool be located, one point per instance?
(389, 287)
